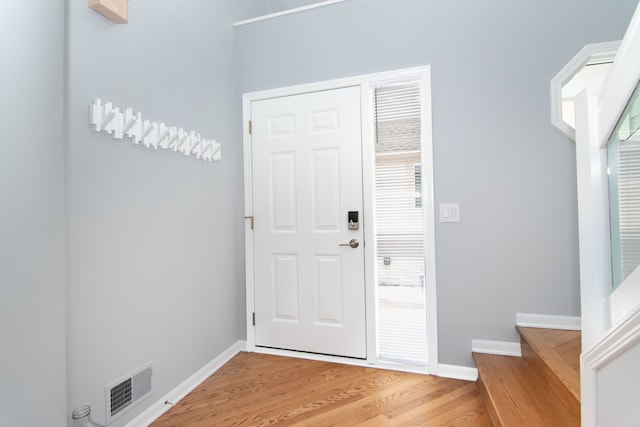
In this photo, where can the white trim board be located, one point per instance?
(614, 344)
(286, 12)
(456, 372)
(161, 406)
(590, 54)
(343, 360)
(500, 348)
(547, 321)
(444, 371)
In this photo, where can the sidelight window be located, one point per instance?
(399, 224)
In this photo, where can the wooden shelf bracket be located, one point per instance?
(116, 10)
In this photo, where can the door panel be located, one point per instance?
(326, 190)
(307, 175)
(328, 290)
(283, 187)
(285, 291)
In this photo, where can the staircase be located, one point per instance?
(542, 388)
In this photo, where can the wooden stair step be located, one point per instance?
(517, 395)
(557, 353)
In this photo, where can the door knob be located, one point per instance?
(353, 243)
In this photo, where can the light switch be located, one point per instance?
(449, 212)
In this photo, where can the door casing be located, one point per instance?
(367, 83)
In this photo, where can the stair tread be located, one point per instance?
(560, 351)
(517, 396)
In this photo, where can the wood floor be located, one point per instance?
(259, 390)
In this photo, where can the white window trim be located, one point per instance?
(590, 54)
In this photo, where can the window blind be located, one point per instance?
(629, 206)
(399, 224)
(624, 192)
(397, 116)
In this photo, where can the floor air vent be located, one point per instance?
(125, 393)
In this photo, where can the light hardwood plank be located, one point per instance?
(560, 351)
(518, 396)
(259, 390)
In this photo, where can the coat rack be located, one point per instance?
(118, 124)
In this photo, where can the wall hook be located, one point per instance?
(105, 118)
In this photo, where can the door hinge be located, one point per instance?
(251, 218)
(250, 127)
(254, 318)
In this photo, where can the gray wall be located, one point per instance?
(280, 5)
(154, 254)
(495, 150)
(32, 276)
(246, 9)
(154, 257)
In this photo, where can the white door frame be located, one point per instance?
(366, 84)
(611, 321)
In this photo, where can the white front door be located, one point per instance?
(307, 178)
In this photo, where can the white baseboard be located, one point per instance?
(312, 356)
(500, 348)
(457, 372)
(174, 396)
(445, 371)
(570, 323)
(380, 364)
